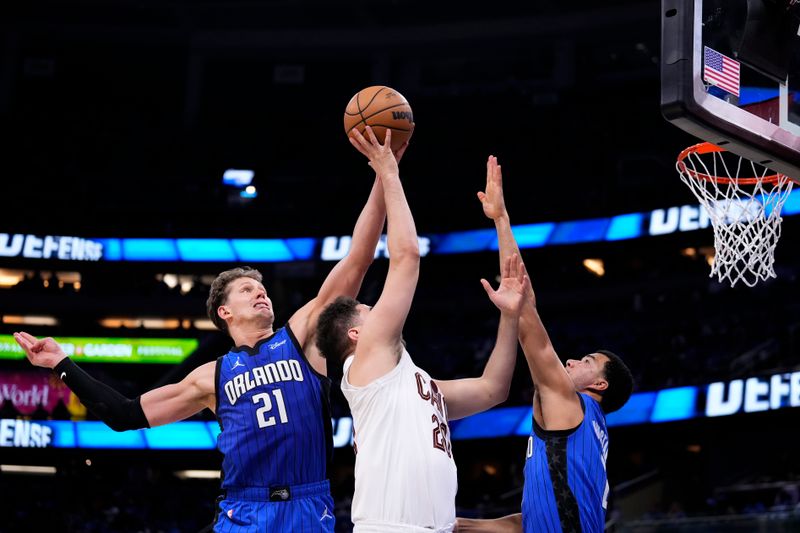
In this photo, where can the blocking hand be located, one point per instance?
(494, 205)
(514, 286)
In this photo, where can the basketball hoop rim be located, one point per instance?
(707, 148)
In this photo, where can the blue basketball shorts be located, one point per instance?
(301, 508)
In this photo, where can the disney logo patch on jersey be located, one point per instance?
(276, 344)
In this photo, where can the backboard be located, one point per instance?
(730, 75)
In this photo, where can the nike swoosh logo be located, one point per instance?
(63, 375)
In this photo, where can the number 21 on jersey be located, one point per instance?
(267, 406)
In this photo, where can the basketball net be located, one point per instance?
(743, 200)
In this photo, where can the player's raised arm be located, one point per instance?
(378, 344)
(494, 207)
(346, 277)
(554, 388)
(474, 395)
(154, 408)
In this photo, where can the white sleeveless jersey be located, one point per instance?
(405, 473)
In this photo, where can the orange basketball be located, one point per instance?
(380, 108)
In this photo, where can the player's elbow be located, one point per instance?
(496, 399)
(118, 425)
(407, 264)
(496, 393)
(116, 421)
(406, 251)
(502, 395)
(361, 257)
(121, 416)
(126, 424)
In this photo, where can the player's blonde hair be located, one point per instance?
(219, 291)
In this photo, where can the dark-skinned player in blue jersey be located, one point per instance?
(566, 487)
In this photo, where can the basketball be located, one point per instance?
(380, 107)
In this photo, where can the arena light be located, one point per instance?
(161, 323)
(204, 324)
(144, 322)
(9, 278)
(595, 266)
(170, 280)
(114, 323)
(68, 277)
(30, 320)
(238, 177)
(197, 474)
(28, 470)
(249, 192)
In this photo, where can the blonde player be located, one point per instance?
(405, 476)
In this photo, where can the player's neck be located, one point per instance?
(249, 336)
(596, 397)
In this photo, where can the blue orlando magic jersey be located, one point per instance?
(566, 487)
(274, 412)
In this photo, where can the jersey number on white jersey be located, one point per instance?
(441, 438)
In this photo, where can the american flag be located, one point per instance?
(721, 70)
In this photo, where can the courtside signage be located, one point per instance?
(333, 248)
(722, 398)
(112, 350)
(751, 395)
(50, 247)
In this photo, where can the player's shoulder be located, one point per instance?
(204, 376)
(206, 368)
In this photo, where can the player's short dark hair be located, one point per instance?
(620, 382)
(332, 326)
(219, 291)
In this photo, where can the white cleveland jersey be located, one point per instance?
(405, 473)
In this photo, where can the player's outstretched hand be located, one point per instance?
(398, 154)
(45, 352)
(381, 158)
(514, 286)
(494, 205)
